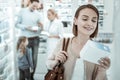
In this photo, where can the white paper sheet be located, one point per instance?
(93, 51)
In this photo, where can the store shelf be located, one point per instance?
(3, 31)
(6, 42)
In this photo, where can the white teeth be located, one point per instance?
(88, 28)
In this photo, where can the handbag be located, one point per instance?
(58, 71)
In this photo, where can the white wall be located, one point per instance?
(108, 19)
(116, 29)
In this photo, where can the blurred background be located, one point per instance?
(109, 32)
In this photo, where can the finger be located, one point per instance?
(64, 58)
(65, 53)
(103, 64)
(61, 57)
(107, 59)
(101, 60)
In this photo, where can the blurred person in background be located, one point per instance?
(54, 27)
(25, 63)
(29, 23)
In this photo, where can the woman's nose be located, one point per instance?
(90, 22)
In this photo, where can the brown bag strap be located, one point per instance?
(65, 44)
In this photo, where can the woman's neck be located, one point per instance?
(81, 39)
(77, 44)
(52, 19)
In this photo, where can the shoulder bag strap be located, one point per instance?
(64, 47)
(65, 44)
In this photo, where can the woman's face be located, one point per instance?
(50, 15)
(86, 21)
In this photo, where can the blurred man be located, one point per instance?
(29, 23)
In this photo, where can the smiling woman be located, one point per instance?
(85, 27)
(86, 21)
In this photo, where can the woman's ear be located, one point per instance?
(75, 21)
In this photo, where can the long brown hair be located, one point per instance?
(20, 44)
(77, 14)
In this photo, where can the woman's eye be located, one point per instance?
(94, 21)
(84, 19)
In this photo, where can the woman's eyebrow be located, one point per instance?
(84, 15)
(88, 16)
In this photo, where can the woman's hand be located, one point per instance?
(61, 56)
(30, 29)
(104, 64)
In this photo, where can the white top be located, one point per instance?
(54, 28)
(78, 73)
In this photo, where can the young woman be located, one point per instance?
(55, 29)
(85, 27)
(24, 59)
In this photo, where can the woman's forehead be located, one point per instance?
(88, 11)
